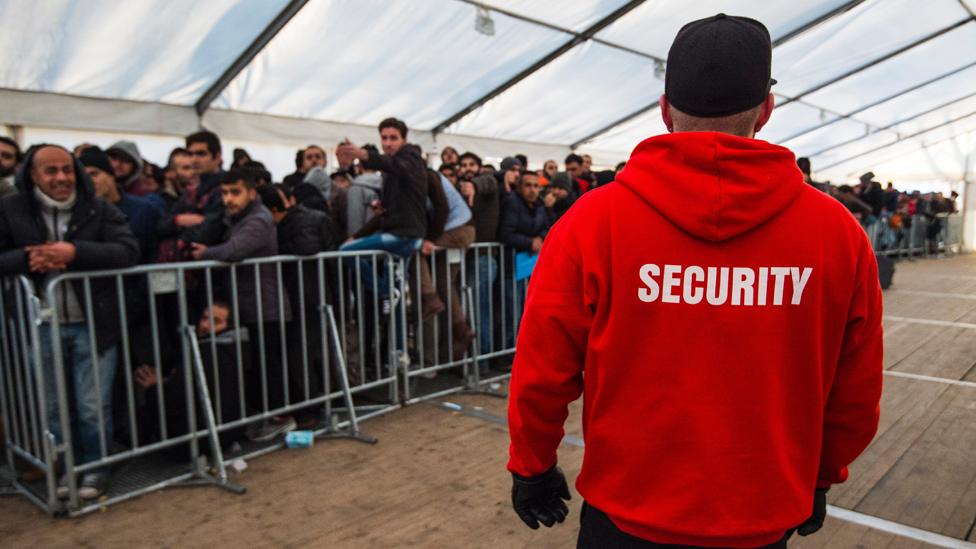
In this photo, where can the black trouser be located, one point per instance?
(597, 531)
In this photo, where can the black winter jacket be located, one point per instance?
(98, 230)
(404, 193)
(520, 223)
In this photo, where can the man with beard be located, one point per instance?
(312, 157)
(129, 166)
(482, 193)
(9, 158)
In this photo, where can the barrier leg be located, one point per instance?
(332, 430)
(203, 393)
(473, 383)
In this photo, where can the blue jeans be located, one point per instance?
(386, 242)
(514, 304)
(89, 392)
(487, 274)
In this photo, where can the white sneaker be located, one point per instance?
(93, 485)
(62, 488)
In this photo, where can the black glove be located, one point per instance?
(540, 498)
(816, 520)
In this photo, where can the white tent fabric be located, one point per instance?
(885, 85)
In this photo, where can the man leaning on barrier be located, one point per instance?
(729, 358)
(55, 224)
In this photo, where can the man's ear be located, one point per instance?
(666, 113)
(765, 112)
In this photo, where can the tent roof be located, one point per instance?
(858, 80)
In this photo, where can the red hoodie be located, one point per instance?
(728, 320)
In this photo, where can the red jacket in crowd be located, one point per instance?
(723, 323)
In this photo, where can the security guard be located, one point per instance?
(721, 319)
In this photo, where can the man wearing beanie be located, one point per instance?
(143, 215)
(730, 360)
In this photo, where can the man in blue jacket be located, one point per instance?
(143, 215)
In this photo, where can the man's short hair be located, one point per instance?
(446, 167)
(305, 150)
(271, 198)
(18, 155)
(207, 137)
(804, 164)
(472, 156)
(341, 173)
(391, 122)
(845, 189)
(178, 151)
(573, 157)
(527, 173)
(234, 175)
(257, 170)
(524, 160)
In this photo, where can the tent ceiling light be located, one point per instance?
(483, 23)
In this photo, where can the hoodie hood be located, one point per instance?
(370, 180)
(712, 185)
(84, 189)
(320, 179)
(131, 150)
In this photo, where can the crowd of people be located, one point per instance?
(92, 209)
(887, 213)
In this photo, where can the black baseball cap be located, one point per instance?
(719, 66)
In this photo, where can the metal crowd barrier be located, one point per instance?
(468, 345)
(919, 235)
(276, 356)
(338, 337)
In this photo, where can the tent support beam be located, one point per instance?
(882, 59)
(899, 140)
(778, 42)
(893, 124)
(839, 10)
(248, 55)
(966, 7)
(575, 41)
(881, 101)
(649, 108)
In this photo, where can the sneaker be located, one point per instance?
(272, 428)
(93, 485)
(62, 490)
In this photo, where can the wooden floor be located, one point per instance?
(437, 477)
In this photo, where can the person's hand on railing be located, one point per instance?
(52, 256)
(536, 245)
(428, 247)
(146, 376)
